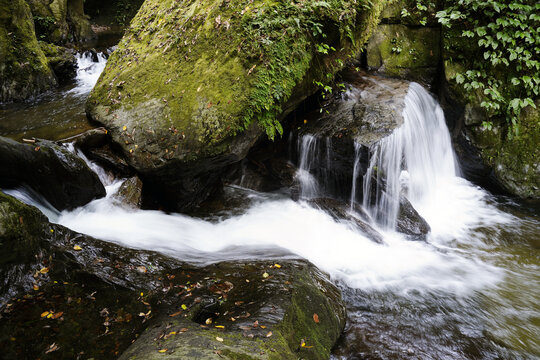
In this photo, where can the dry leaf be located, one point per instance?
(220, 326)
(208, 321)
(184, 306)
(277, 266)
(57, 315)
(45, 313)
(316, 318)
(162, 350)
(219, 339)
(265, 275)
(269, 334)
(176, 313)
(77, 248)
(44, 270)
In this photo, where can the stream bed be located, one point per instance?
(470, 291)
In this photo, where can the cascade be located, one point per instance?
(415, 159)
(89, 68)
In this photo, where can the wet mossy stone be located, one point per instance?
(24, 69)
(22, 232)
(254, 310)
(406, 52)
(194, 84)
(62, 61)
(60, 176)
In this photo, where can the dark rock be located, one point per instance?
(98, 297)
(109, 159)
(22, 230)
(341, 211)
(409, 222)
(51, 170)
(61, 60)
(247, 310)
(130, 192)
(24, 70)
(88, 140)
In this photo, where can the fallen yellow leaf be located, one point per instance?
(36, 288)
(208, 321)
(45, 313)
(269, 334)
(77, 248)
(184, 306)
(265, 275)
(163, 350)
(219, 339)
(220, 326)
(124, 128)
(277, 266)
(44, 270)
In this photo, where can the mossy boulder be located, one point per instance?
(60, 176)
(256, 310)
(61, 21)
(404, 51)
(22, 229)
(194, 84)
(95, 298)
(24, 70)
(62, 61)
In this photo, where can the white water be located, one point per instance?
(277, 226)
(88, 72)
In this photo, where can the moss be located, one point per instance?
(402, 51)
(193, 74)
(24, 70)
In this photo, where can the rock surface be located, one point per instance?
(179, 129)
(409, 221)
(61, 21)
(24, 70)
(61, 60)
(51, 170)
(95, 298)
(407, 47)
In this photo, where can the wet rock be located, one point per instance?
(341, 211)
(22, 233)
(61, 60)
(95, 298)
(24, 69)
(409, 222)
(266, 311)
(94, 138)
(185, 128)
(61, 21)
(130, 192)
(51, 170)
(370, 110)
(109, 159)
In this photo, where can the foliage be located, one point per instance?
(282, 61)
(44, 25)
(502, 67)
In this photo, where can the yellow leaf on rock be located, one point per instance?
(184, 306)
(163, 350)
(220, 326)
(208, 321)
(277, 266)
(265, 275)
(77, 248)
(219, 339)
(124, 128)
(44, 270)
(45, 313)
(36, 288)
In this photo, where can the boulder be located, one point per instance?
(402, 51)
(247, 310)
(61, 21)
(409, 221)
(341, 211)
(60, 176)
(62, 61)
(130, 192)
(22, 230)
(97, 298)
(192, 86)
(24, 70)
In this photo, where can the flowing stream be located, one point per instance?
(471, 291)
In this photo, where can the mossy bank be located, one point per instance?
(194, 84)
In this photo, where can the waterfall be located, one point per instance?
(90, 65)
(307, 148)
(416, 159)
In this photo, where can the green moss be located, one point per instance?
(192, 74)
(24, 70)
